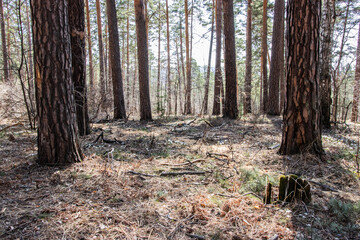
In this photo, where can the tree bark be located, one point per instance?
(101, 57)
(248, 63)
(114, 51)
(218, 74)
(326, 57)
(143, 61)
(277, 58)
(3, 42)
(231, 108)
(302, 124)
(57, 129)
(188, 63)
(355, 114)
(77, 32)
(264, 52)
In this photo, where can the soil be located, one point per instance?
(178, 178)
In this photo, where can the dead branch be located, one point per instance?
(165, 174)
(14, 125)
(185, 163)
(106, 140)
(140, 174)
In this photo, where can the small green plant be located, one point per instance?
(162, 154)
(344, 212)
(254, 181)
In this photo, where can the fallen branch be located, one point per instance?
(106, 140)
(164, 174)
(199, 237)
(324, 187)
(14, 125)
(210, 154)
(242, 195)
(140, 174)
(185, 163)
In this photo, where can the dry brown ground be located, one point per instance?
(118, 191)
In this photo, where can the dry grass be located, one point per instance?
(100, 199)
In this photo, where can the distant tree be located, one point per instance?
(355, 113)
(326, 57)
(207, 82)
(57, 129)
(231, 108)
(264, 53)
(101, 56)
(188, 62)
(218, 74)
(277, 58)
(3, 43)
(143, 61)
(114, 51)
(302, 124)
(77, 32)
(91, 68)
(169, 110)
(248, 70)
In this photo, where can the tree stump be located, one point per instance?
(293, 188)
(268, 193)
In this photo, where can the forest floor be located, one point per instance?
(122, 189)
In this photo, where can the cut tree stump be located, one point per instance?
(293, 188)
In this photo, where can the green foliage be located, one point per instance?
(254, 181)
(344, 212)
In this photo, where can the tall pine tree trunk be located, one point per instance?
(336, 71)
(301, 128)
(188, 62)
(355, 114)
(91, 68)
(277, 59)
(128, 57)
(182, 59)
(207, 82)
(114, 51)
(77, 32)
(218, 74)
(159, 64)
(143, 61)
(231, 108)
(169, 110)
(248, 63)
(102, 80)
(264, 52)
(326, 57)
(3, 43)
(57, 129)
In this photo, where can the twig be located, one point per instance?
(185, 163)
(140, 174)
(325, 187)
(164, 174)
(199, 237)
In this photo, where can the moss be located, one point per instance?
(292, 187)
(282, 187)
